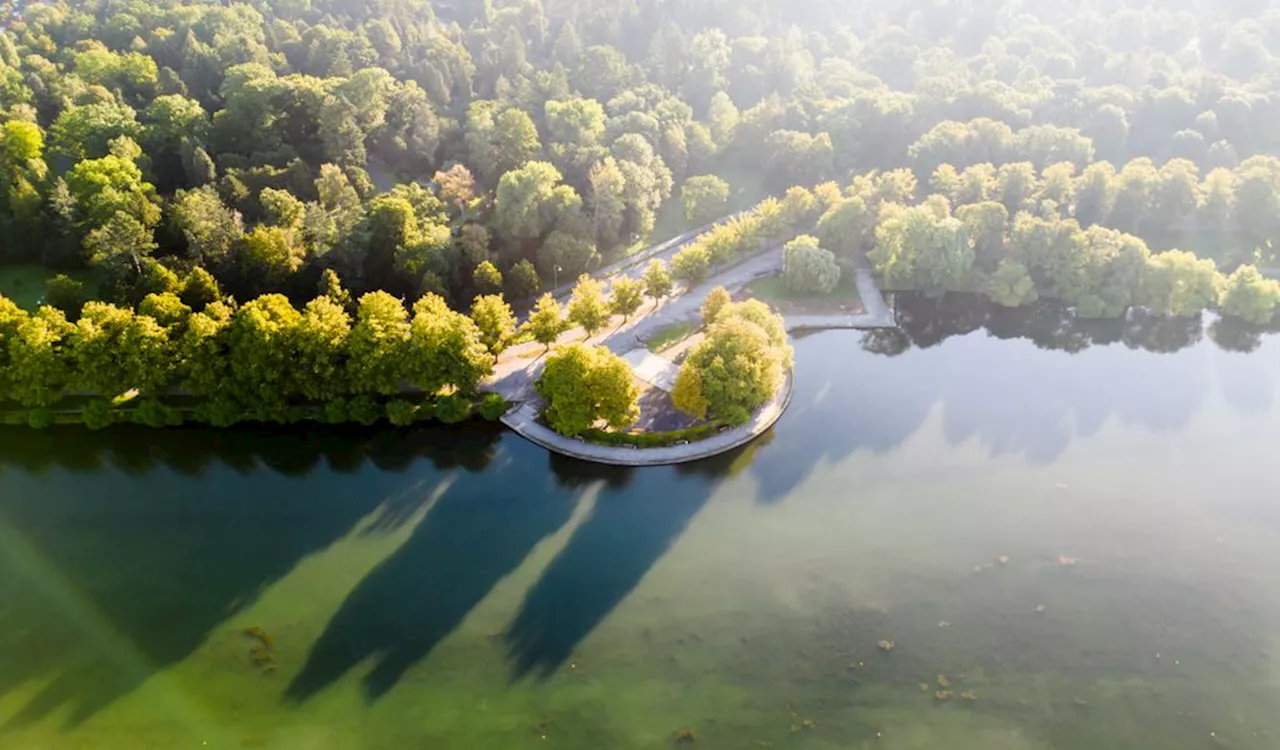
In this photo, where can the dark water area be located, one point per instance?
(1069, 530)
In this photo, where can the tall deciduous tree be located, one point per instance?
(706, 198)
(547, 321)
(492, 315)
(583, 385)
(587, 306)
(626, 296)
(657, 279)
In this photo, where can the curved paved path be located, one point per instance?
(515, 377)
(523, 420)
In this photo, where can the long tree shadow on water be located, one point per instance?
(107, 578)
(473, 537)
(631, 526)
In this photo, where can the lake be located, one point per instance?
(1074, 526)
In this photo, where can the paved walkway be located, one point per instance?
(523, 420)
(657, 371)
(876, 314)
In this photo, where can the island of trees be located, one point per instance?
(274, 210)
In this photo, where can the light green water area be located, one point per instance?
(1077, 531)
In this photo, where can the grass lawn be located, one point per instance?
(665, 337)
(771, 289)
(24, 284)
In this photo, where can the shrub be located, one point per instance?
(40, 418)
(99, 414)
(452, 409)
(493, 406)
(401, 413)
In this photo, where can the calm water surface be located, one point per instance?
(462, 589)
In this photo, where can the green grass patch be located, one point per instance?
(772, 289)
(24, 284)
(665, 337)
(653, 439)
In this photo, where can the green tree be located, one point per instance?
(199, 289)
(38, 366)
(706, 198)
(322, 345)
(122, 241)
(1249, 296)
(269, 256)
(847, 228)
(497, 324)
(1011, 285)
(66, 294)
(547, 321)
(737, 368)
(808, 268)
(379, 344)
(657, 279)
(583, 385)
(112, 351)
(587, 306)
(522, 281)
(168, 310)
(263, 357)
(984, 225)
(626, 296)
(1179, 284)
(530, 199)
(22, 177)
(714, 303)
(447, 352)
(486, 278)
(210, 228)
(691, 264)
(330, 286)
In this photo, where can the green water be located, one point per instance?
(462, 589)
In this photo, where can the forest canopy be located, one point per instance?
(403, 144)
(225, 172)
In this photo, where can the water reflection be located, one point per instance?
(121, 566)
(989, 383)
(162, 536)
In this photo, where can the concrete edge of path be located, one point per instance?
(523, 420)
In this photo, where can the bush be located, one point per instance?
(99, 414)
(335, 411)
(453, 409)
(153, 413)
(365, 410)
(40, 418)
(493, 406)
(401, 413)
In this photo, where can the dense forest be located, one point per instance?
(175, 157)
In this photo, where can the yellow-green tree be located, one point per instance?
(584, 385)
